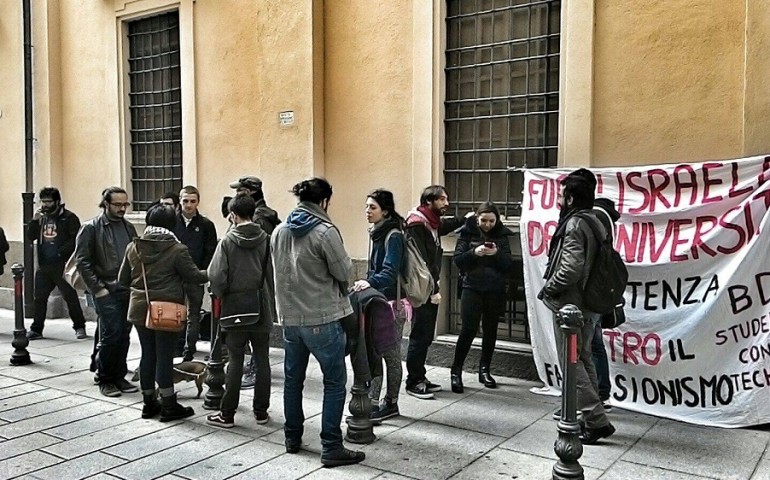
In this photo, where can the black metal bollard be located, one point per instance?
(215, 370)
(360, 428)
(568, 446)
(20, 355)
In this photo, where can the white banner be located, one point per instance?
(696, 343)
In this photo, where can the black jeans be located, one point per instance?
(236, 341)
(420, 338)
(157, 364)
(189, 337)
(47, 278)
(114, 336)
(475, 308)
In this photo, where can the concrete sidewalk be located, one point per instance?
(54, 424)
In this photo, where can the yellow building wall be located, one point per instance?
(369, 117)
(668, 81)
(12, 119)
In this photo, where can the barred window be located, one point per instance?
(155, 107)
(502, 97)
(502, 114)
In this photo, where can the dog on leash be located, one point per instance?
(189, 371)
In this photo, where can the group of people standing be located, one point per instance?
(296, 271)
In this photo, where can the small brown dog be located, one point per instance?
(187, 372)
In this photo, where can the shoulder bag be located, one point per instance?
(161, 315)
(246, 310)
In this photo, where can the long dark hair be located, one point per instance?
(387, 203)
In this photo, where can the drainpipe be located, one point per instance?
(28, 195)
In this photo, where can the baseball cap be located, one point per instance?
(250, 182)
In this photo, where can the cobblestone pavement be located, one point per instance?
(54, 424)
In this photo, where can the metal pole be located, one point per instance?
(360, 428)
(215, 370)
(568, 446)
(29, 139)
(20, 355)
(28, 199)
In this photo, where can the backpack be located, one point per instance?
(608, 277)
(416, 280)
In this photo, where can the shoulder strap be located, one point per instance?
(592, 225)
(144, 279)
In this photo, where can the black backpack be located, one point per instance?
(608, 277)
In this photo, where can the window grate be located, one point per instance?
(502, 115)
(502, 98)
(155, 107)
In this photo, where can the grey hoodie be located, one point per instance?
(236, 275)
(311, 269)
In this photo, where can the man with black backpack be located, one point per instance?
(573, 250)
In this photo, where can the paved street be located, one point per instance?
(54, 424)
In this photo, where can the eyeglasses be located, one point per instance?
(121, 205)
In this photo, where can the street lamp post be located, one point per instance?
(568, 446)
(20, 355)
(215, 371)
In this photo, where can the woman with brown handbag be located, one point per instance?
(155, 267)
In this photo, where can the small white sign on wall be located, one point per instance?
(286, 119)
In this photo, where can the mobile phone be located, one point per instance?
(489, 244)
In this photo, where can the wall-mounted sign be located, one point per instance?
(286, 119)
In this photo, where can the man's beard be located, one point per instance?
(564, 212)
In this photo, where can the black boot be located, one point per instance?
(485, 377)
(171, 410)
(151, 406)
(457, 380)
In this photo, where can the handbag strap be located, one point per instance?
(144, 279)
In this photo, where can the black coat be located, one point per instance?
(428, 244)
(487, 274)
(200, 236)
(97, 259)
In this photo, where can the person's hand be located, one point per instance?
(102, 293)
(360, 285)
(490, 251)
(435, 299)
(480, 251)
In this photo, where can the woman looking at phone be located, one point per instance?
(483, 255)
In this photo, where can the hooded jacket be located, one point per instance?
(236, 274)
(168, 265)
(312, 269)
(487, 274)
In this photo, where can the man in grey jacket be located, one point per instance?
(571, 255)
(312, 269)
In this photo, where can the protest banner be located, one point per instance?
(696, 343)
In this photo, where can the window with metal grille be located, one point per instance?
(502, 115)
(155, 107)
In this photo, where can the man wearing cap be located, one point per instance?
(267, 218)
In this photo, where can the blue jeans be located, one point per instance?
(420, 338)
(599, 357)
(327, 344)
(114, 336)
(157, 364)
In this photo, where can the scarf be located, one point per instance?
(433, 219)
(381, 229)
(150, 230)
